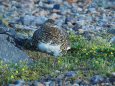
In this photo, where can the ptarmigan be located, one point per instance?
(51, 39)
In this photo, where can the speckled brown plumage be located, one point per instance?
(50, 33)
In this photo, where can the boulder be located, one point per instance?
(10, 53)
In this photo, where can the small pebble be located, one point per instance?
(70, 74)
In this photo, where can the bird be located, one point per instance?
(51, 39)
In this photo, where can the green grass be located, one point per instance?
(86, 58)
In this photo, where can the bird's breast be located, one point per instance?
(53, 49)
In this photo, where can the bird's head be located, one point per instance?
(49, 22)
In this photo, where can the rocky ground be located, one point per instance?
(20, 18)
(66, 80)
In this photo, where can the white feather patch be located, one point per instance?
(50, 48)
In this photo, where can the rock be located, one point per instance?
(67, 83)
(28, 5)
(10, 53)
(3, 30)
(106, 3)
(59, 82)
(110, 4)
(1, 8)
(112, 40)
(59, 22)
(111, 31)
(28, 19)
(81, 31)
(36, 83)
(64, 9)
(79, 9)
(53, 83)
(48, 6)
(19, 82)
(75, 85)
(112, 78)
(50, 1)
(57, 72)
(47, 83)
(72, 1)
(79, 81)
(41, 4)
(11, 85)
(92, 10)
(97, 79)
(89, 35)
(3, 27)
(43, 13)
(40, 20)
(61, 76)
(25, 32)
(113, 74)
(70, 74)
(56, 8)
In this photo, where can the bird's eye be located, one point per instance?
(73, 23)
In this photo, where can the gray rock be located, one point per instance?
(112, 40)
(28, 19)
(25, 31)
(59, 22)
(40, 20)
(75, 85)
(70, 74)
(97, 79)
(61, 76)
(53, 83)
(67, 83)
(111, 31)
(3, 30)
(36, 83)
(10, 53)
(11, 85)
(3, 27)
(19, 82)
(79, 81)
(106, 3)
(92, 10)
(1, 8)
(47, 83)
(113, 74)
(112, 78)
(110, 4)
(41, 4)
